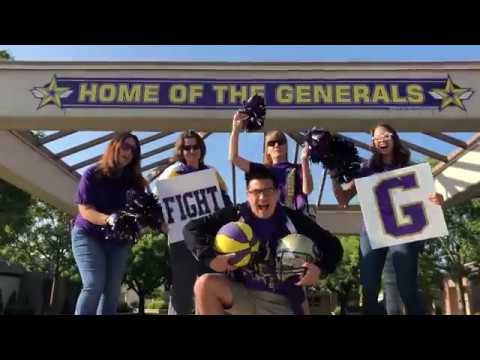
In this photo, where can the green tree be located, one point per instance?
(461, 246)
(345, 281)
(148, 266)
(44, 246)
(14, 205)
(430, 276)
(5, 55)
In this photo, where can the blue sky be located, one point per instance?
(250, 144)
(245, 52)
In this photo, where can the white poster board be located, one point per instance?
(188, 197)
(396, 209)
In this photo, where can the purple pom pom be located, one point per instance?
(255, 108)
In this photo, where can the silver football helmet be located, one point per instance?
(292, 252)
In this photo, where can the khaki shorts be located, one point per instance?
(254, 302)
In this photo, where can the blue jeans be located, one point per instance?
(393, 300)
(405, 263)
(101, 266)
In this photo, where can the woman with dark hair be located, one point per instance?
(389, 154)
(101, 193)
(189, 157)
(295, 181)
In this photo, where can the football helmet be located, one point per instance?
(292, 252)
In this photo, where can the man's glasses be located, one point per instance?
(278, 142)
(191, 147)
(266, 192)
(384, 136)
(127, 146)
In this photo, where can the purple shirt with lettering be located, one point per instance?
(105, 194)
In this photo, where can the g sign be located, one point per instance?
(396, 209)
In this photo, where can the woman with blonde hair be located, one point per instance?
(102, 259)
(295, 181)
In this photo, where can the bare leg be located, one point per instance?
(212, 294)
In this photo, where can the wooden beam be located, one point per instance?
(155, 137)
(55, 136)
(85, 145)
(425, 151)
(447, 138)
(156, 164)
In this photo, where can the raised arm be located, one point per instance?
(233, 146)
(343, 194)
(307, 184)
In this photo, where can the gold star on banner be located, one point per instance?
(451, 95)
(51, 93)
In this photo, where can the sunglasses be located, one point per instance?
(278, 142)
(190, 147)
(126, 146)
(384, 136)
(266, 192)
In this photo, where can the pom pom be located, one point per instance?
(146, 209)
(255, 108)
(337, 154)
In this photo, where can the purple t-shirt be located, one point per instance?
(281, 171)
(367, 169)
(106, 194)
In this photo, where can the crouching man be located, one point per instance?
(267, 285)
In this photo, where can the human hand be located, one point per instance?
(311, 276)
(220, 263)
(436, 198)
(238, 121)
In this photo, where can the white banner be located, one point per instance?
(188, 197)
(396, 208)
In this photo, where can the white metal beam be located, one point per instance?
(459, 180)
(30, 169)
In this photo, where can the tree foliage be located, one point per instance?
(148, 266)
(44, 245)
(345, 281)
(14, 206)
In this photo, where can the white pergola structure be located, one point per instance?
(71, 97)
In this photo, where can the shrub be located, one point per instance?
(124, 308)
(154, 304)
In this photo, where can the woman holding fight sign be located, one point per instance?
(190, 150)
(388, 154)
